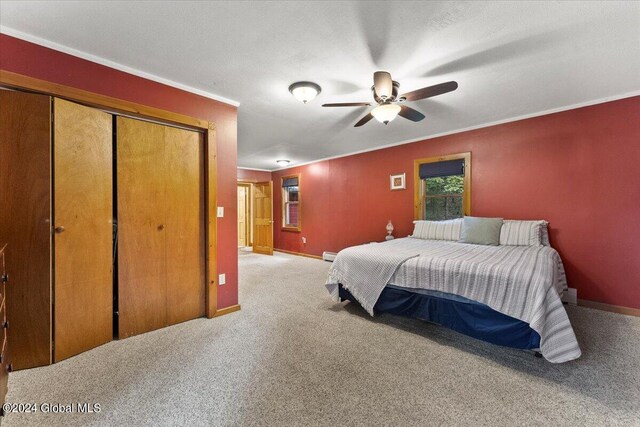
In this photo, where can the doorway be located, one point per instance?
(244, 215)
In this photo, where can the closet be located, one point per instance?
(105, 218)
(160, 226)
(69, 181)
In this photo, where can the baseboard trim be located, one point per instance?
(298, 254)
(609, 307)
(226, 310)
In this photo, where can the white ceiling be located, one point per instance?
(510, 59)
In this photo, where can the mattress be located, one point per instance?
(523, 282)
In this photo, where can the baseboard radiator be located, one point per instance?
(328, 256)
(570, 297)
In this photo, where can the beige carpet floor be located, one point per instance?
(293, 357)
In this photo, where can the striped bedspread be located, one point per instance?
(524, 282)
(366, 269)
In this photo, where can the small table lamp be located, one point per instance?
(389, 231)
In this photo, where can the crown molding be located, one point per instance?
(470, 128)
(253, 169)
(111, 64)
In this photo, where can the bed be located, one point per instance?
(506, 295)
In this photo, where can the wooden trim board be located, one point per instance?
(298, 254)
(226, 310)
(211, 238)
(611, 308)
(19, 81)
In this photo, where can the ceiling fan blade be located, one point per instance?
(410, 113)
(428, 92)
(363, 120)
(383, 85)
(348, 104)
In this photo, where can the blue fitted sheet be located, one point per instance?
(457, 313)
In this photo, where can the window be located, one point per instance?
(291, 203)
(443, 187)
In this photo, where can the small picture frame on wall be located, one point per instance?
(398, 182)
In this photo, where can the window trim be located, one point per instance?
(284, 227)
(418, 188)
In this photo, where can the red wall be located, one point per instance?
(29, 59)
(253, 175)
(578, 169)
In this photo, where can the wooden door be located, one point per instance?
(25, 212)
(243, 215)
(142, 266)
(83, 239)
(161, 262)
(183, 208)
(263, 218)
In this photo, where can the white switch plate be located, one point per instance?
(222, 279)
(304, 240)
(220, 211)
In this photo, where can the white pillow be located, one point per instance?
(438, 230)
(544, 234)
(523, 233)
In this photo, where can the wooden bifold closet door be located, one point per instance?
(25, 223)
(160, 204)
(83, 230)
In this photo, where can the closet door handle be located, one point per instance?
(59, 229)
(161, 227)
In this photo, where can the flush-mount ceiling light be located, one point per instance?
(304, 91)
(386, 112)
(283, 162)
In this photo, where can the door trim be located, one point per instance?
(211, 218)
(19, 81)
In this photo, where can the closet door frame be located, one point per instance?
(121, 107)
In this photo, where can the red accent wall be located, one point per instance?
(578, 169)
(253, 175)
(29, 59)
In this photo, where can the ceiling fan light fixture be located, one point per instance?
(305, 91)
(386, 112)
(283, 162)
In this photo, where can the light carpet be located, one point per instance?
(293, 357)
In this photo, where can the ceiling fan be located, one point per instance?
(385, 93)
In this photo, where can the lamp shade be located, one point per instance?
(386, 112)
(304, 91)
